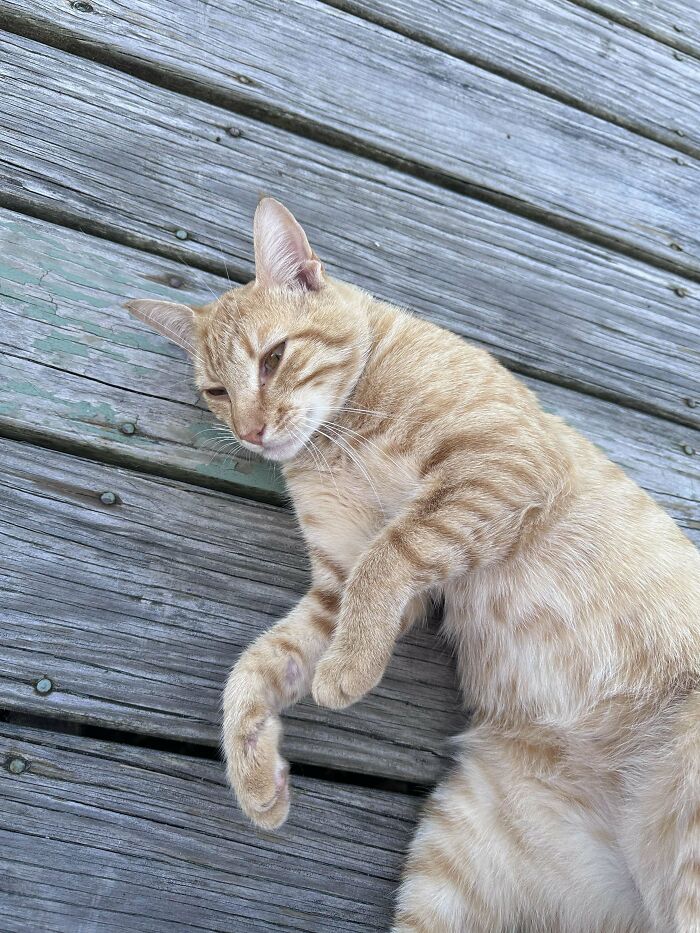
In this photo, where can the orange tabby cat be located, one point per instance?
(417, 464)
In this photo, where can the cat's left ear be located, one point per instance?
(173, 320)
(283, 257)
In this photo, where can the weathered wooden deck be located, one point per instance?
(526, 174)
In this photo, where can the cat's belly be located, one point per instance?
(523, 647)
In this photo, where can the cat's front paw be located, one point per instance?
(257, 772)
(341, 680)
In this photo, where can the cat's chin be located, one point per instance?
(284, 450)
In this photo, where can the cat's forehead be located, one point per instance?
(252, 307)
(245, 320)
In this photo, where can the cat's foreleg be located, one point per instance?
(272, 674)
(421, 548)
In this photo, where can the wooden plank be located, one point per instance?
(389, 95)
(137, 611)
(111, 837)
(75, 370)
(544, 302)
(569, 52)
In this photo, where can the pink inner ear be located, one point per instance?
(283, 256)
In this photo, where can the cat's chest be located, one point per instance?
(340, 514)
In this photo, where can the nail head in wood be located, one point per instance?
(181, 234)
(234, 131)
(687, 449)
(108, 498)
(43, 686)
(82, 6)
(691, 402)
(128, 428)
(17, 766)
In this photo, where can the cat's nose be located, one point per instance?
(254, 435)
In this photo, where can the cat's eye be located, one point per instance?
(216, 392)
(272, 360)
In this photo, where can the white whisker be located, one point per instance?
(364, 411)
(342, 444)
(199, 282)
(311, 449)
(382, 453)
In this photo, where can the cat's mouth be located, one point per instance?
(292, 435)
(280, 449)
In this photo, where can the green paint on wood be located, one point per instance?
(13, 274)
(40, 312)
(78, 295)
(21, 387)
(100, 412)
(75, 301)
(59, 344)
(261, 476)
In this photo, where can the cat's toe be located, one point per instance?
(327, 692)
(339, 683)
(257, 773)
(271, 813)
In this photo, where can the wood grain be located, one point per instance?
(401, 100)
(136, 163)
(569, 52)
(80, 373)
(109, 837)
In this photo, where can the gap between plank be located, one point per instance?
(203, 752)
(317, 132)
(35, 437)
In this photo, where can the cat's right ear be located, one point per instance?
(173, 320)
(283, 257)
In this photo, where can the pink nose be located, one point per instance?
(254, 436)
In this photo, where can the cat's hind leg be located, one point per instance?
(663, 822)
(504, 846)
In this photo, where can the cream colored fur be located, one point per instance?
(417, 464)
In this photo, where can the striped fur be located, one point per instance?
(418, 465)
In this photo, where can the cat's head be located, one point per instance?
(278, 357)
